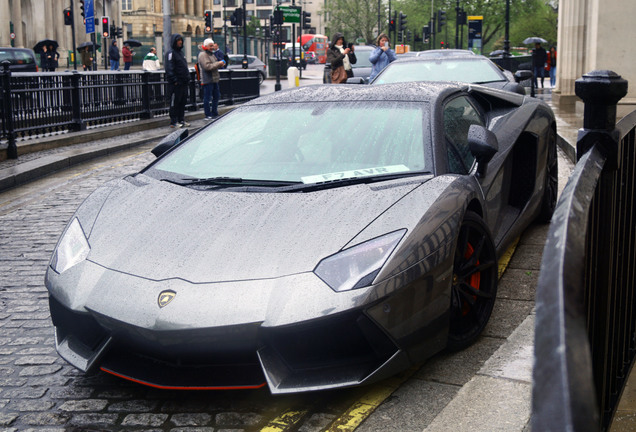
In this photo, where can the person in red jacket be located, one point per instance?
(128, 55)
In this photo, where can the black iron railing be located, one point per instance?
(39, 104)
(585, 332)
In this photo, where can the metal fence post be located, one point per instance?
(76, 105)
(145, 95)
(605, 238)
(193, 91)
(600, 90)
(7, 111)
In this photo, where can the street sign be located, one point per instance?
(89, 16)
(291, 14)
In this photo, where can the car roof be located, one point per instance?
(445, 53)
(417, 91)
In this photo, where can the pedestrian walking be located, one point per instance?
(340, 59)
(87, 58)
(127, 54)
(54, 57)
(151, 61)
(552, 65)
(381, 56)
(113, 54)
(209, 66)
(45, 58)
(539, 58)
(178, 78)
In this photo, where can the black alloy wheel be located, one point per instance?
(474, 287)
(551, 185)
(261, 78)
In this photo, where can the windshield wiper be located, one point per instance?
(228, 181)
(352, 180)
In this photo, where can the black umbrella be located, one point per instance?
(534, 39)
(497, 53)
(87, 44)
(45, 42)
(133, 43)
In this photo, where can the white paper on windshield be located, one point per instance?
(354, 173)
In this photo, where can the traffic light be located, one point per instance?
(426, 32)
(278, 16)
(441, 45)
(120, 32)
(441, 19)
(402, 22)
(82, 9)
(68, 17)
(408, 36)
(271, 24)
(392, 23)
(237, 17)
(208, 21)
(306, 20)
(105, 26)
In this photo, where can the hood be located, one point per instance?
(335, 38)
(173, 41)
(161, 231)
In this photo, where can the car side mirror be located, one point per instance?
(169, 142)
(356, 80)
(483, 145)
(523, 75)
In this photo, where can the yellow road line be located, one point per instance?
(284, 422)
(505, 258)
(363, 407)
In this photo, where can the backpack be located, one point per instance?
(196, 68)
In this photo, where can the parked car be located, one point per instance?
(468, 68)
(272, 249)
(444, 53)
(310, 57)
(253, 62)
(21, 59)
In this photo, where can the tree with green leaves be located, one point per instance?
(354, 18)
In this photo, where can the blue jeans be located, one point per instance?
(553, 76)
(114, 65)
(212, 92)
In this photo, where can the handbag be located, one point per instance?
(338, 75)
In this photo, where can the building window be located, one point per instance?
(217, 2)
(217, 14)
(230, 3)
(126, 5)
(263, 2)
(263, 14)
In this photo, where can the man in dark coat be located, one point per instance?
(539, 58)
(178, 78)
(113, 54)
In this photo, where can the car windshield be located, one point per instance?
(362, 57)
(448, 69)
(16, 56)
(306, 143)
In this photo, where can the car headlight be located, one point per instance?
(72, 249)
(357, 266)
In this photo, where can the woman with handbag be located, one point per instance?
(381, 56)
(341, 59)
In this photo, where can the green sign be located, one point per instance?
(291, 14)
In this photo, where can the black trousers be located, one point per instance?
(178, 96)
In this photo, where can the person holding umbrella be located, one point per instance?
(53, 60)
(127, 53)
(45, 58)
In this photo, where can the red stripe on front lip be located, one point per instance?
(246, 387)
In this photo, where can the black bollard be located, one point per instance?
(12, 148)
(600, 90)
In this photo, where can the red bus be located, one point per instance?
(316, 43)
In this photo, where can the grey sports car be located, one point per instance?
(335, 248)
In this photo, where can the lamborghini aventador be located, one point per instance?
(315, 238)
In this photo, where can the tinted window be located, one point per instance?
(459, 114)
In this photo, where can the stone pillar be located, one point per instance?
(5, 18)
(198, 8)
(187, 47)
(16, 18)
(190, 7)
